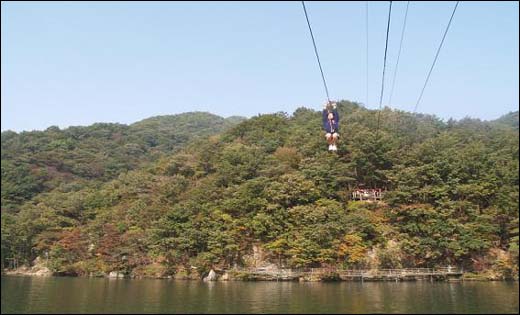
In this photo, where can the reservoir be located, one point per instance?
(21, 294)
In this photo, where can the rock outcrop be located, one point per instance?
(212, 276)
(116, 274)
(39, 268)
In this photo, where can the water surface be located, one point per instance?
(90, 295)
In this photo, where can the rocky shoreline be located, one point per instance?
(240, 275)
(269, 272)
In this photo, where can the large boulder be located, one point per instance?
(225, 277)
(116, 274)
(41, 271)
(40, 268)
(212, 276)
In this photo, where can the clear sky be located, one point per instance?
(70, 64)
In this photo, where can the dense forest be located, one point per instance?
(192, 192)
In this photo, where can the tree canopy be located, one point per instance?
(197, 190)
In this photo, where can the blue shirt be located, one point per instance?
(332, 125)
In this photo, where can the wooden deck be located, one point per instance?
(367, 194)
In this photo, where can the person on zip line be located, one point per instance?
(331, 124)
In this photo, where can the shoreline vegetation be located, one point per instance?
(272, 273)
(190, 196)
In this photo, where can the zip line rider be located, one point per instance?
(330, 124)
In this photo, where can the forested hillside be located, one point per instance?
(39, 161)
(148, 200)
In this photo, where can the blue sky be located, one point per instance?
(69, 64)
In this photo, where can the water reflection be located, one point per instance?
(83, 295)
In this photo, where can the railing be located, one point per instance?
(401, 272)
(290, 272)
(367, 194)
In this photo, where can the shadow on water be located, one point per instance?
(90, 295)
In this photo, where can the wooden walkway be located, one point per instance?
(444, 273)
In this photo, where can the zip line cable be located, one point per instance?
(436, 55)
(398, 54)
(367, 51)
(316, 52)
(384, 66)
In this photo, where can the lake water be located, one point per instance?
(96, 295)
